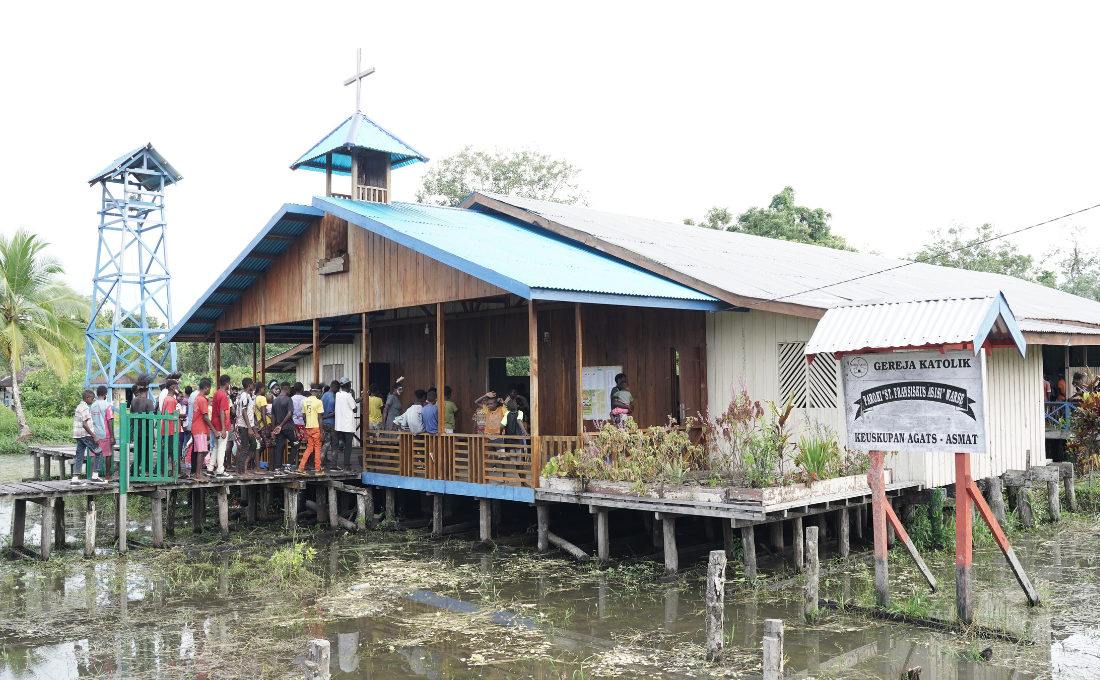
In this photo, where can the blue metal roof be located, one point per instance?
(524, 260)
(291, 220)
(357, 131)
(128, 159)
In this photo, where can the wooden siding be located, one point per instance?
(637, 338)
(384, 275)
(743, 348)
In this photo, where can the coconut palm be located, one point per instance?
(38, 312)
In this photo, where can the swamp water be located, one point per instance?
(399, 605)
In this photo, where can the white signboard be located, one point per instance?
(596, 385)
(922, 402)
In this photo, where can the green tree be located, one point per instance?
(38, 312)
(964, 248)
(524, 173)
(782, 220)
(1077, 269)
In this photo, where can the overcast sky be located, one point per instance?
(895, 118)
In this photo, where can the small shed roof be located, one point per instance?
(132, 162)
(967, 320)
(357, 131)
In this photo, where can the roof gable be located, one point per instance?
(357, 131)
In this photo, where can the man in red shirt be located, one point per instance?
(170, 430)
(200, 426)
(219, 417)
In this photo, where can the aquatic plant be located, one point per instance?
(290, 562)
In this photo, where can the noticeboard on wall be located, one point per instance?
(596, 385)
(922, 402)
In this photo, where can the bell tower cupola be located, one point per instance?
(359, 149)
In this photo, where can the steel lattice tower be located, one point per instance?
(131, 300)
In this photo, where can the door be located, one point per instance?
(691, 387)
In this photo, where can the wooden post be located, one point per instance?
(364, 385)
(316, 350)
(727, 536)
(391, 501)
(533, 349)
(1023, 506)
(251, 497)
(799, 546)
(37, 465)
(223, 511)
(995, 498)
(1002, 541)
(440, 359)
(158, 518)
(716, 604)
(19, 523)
(1052, 501)
(672, 558)
(773, 649)
(485, 516)
(318, 660)
(963, 538)
(217, 356)
(49, 462)
(812, 573)
(822, 530)
(263, 354)
(333, 508)
(844, 525)
(1071, 490)
(748, 545)
(542, 510)
(861, 514)
(355, 175)
(290, 503)
(437, 515)
(47, 528)
(878, 518)
(328, 174)
(890, 534)
(198, 510)
(120, 522)
(579, 359)
(170, 521)
(362, 518)
(89, 528)
(603, 543)
(776, 529)
(253, 362)
(59, 518)
(367, 508)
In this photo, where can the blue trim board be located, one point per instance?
(630, 300)
(518, 494)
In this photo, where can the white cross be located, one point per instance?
(359, 75)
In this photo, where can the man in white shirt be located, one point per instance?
(414, 415)
(345, 421)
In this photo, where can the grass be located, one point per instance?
(46, 431)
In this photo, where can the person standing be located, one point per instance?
(184, 405)
(312, 408)
(169, 430)
(103, 420)
(450, 411)
(375, 404)
(430, 413)
(414, 415)
(246, 426)
(84, 435)
(393, 405)
(141, 430)
(220, 420)
(200, 427)
(282, 411)
(328, 423)
(345, 421)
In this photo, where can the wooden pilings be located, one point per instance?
(773, 649)
(715, 602)
(776, 529)
(485, 518)
(812, 573)
(799, 546)
(290, 504)
(223, 511)
(1071, 490)
(542, 512)
(89, 527)
(318, 660)
(47, 528)
(437, 515)
(567, 546)
(157, 504)
(603, 542)
(1053, 506)
(844, 526)
(748, 545)
(18, 523)
(170, 524)
(198, 510)
(391, 505)
(672, 557)
(333, 507)
(994, 496)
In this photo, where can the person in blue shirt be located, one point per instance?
(328, 420)
(430, 414)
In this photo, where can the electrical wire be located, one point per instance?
(925, 259)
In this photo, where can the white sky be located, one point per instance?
(897, 119)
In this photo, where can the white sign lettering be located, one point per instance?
(915, 401)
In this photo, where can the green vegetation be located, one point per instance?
(525, 173)
(782, 220)
(290, 562)
(46, 430)
(962, 248)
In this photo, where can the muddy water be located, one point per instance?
(395, 605)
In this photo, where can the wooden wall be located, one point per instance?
(384, 275)
(639, 339)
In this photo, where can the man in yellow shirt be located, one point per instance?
(312, 408)
(375, 404)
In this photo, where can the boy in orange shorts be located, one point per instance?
(312, 408)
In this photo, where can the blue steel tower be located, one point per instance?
(131, 298)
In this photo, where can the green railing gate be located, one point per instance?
(147, 453)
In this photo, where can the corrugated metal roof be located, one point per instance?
(917, 322)
(366, 135)
(526, 261)
(1040, 326)
(765, 269)
(126, 159)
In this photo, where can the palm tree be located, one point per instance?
(37, 312)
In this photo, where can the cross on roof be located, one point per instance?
(359, 76)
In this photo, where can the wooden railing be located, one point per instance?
(146, 452)
(474, 458)
(364, 192)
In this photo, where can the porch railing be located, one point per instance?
(146, 452)
(1058, 414)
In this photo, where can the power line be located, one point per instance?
(925, 260)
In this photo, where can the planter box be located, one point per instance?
(775, 495)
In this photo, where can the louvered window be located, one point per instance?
(813, 385)
(330, 372)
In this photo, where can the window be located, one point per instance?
(330, 372)
(813, 385)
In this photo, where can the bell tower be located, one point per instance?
(361, 150)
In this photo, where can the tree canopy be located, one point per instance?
(964, 248)
(525, 173)
(782, 219)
